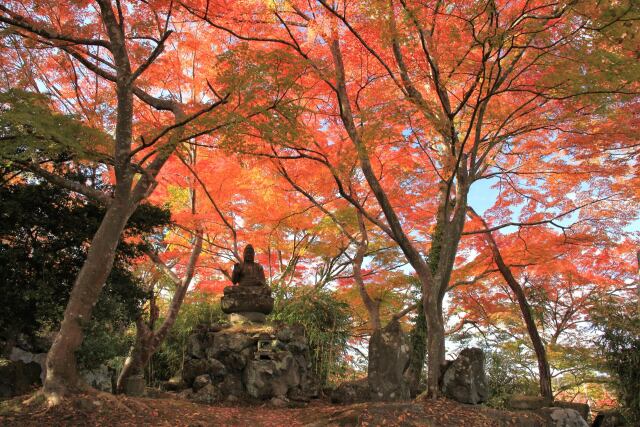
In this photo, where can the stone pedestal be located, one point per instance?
(253, 361)
(247, 303)
(247, 317)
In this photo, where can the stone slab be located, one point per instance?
(247, 317)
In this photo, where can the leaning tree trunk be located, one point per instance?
(139, 356)
(62, 375)
(147, 339)
(538, 346)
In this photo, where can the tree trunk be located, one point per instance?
(538, 346)
(139, 356)
(62, 376)
(418, 338)
(148, 340)
(532, 329)
(435, 343)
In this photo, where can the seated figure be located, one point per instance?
(249, 272)
(251, 299)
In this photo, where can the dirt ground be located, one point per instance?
(103, 409)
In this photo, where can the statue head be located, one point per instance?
(249, 254)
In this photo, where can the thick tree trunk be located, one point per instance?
(62, 376)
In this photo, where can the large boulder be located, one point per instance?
(201, 381)
(388, 358)
(228, 343)
(464, 380)
(195, 346)
(19, 355)
(609, 418)
(207, 394)
(562, 417)
(134, 386)
(582, 408)
(351, 392)
(17, 377)
(265, 378)
(101, 378)
(193, 368)
(524, 402)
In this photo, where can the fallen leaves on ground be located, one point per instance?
(101, 409)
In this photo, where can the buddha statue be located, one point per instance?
(249, 272)
(249, 298)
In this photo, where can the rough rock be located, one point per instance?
(239, 299)
(464, 380)
(249, 361)
(134, 385)
(531, 403)
(193, 368)
(201, 381)
(101, 378)
(351, 392)
(232, 386)
(186, 394)
(17, 377)
(388, 358)
(19, 355)
(194, 347)
(224, 343)
(247, 317)
(207, 394)
(582, 408)
(266, 378)
(609, 418)
(278, 402)
(562, 417)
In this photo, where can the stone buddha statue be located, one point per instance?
(249, 272)
(250, 300)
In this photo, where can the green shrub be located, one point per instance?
(327, 322)
(620, 343)
(199, 308)
(505, 378)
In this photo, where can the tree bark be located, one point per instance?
(435, 343)
(418, 338)
(62, 375)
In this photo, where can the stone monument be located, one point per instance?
(247, 358)
(250, 299)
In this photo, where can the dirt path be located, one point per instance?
(114, 411)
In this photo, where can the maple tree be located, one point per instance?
(458, 92)
(555, 280)
(94, 51)
(344, 139)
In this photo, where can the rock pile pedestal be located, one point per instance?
(251, 361)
